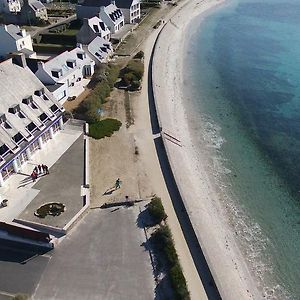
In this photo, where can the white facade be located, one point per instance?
(132, 14)
(67, 69)
(13, 39)
(29, 117)
(10, 6)
(112, 17)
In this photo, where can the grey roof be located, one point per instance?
(14, 31)
(26, 51)
(99, 3)
(100, 48)
(53, 87)
(36, 5)
(16, 85)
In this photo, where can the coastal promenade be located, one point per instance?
(201, 203)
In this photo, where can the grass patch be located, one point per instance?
(51, 48)
(163, 241)
(103, 128)
(156, 210)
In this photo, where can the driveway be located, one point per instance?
(102, 258)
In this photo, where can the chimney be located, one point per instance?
(113, 2)
(19, 59)
(23, 32)
(40, 65)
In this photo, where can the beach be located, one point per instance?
(198, 189)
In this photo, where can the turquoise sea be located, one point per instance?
(243, 76)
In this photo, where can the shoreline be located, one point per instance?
(217, 241)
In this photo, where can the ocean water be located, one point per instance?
(242, 75)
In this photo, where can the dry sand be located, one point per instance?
(197, 188)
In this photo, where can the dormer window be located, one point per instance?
(27, 100)
(71, 63)
(96, 28)
(54, 108)
(31, 127)
(43, 117)
(2, 119)
(18, 138)
(81, 55)
(14, 109)
(6, 125)
(4, 150)
(56, 73)
(102, 26)
(39, 92)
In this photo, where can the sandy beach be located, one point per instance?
(198, 189)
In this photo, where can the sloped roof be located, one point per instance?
(16, 84)
(14, 31)
(100, 48)
(99, 3)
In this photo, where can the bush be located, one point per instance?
(132, 74)
(179, 283)
(156, 210)
(102, 83)
(162, 238)
(101, 129)
(139, 55)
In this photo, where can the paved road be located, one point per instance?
(102, 258)
(20, 267)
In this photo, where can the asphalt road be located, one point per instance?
(101, 258)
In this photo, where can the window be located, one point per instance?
(18, 138)
(43, 117)
(31, 127)
(96, 28)
(56, 73)
(54, 108)
(71, 63)
(39, 92)
(14, 109)
(4, 150)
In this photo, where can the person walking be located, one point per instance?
(40, 169)
(44, 168)
(47, 169)
(33, 176)
(36, 170)
(118, 184)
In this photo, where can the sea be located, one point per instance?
(242, 73)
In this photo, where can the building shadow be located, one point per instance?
(182, 215)
(16, 252)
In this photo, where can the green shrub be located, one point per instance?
(20, 297)
(156, 210)
(179, 283)
(132, 74)
(103, 128)
(163, 241)
(102, 83)
(139, 55)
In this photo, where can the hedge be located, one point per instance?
(103, 128)
(156, 210)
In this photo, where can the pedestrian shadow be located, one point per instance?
(109, 191)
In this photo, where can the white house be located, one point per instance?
(14, 39)
(29, 116)
(110, 14)
(90, 29)
(100, 50)
(10, 6)
(64, 74)
(130, 9)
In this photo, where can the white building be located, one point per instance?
(63, 74)
(29, 116)
(130, 9)
(10, 6)
(110, 14)
(14, 39)
(100, 50)
(92, 28)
